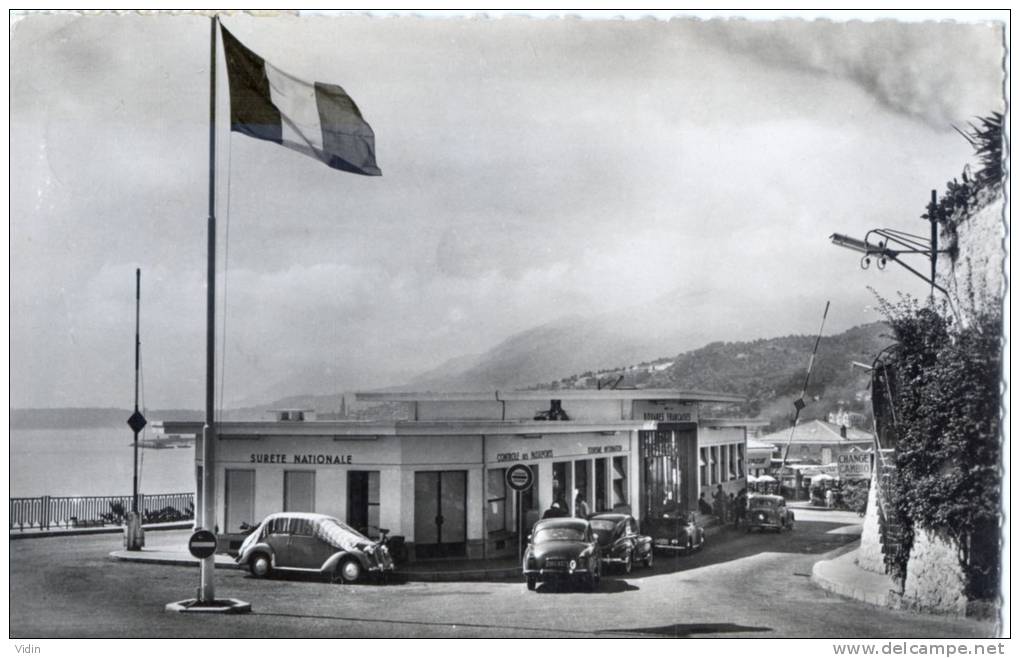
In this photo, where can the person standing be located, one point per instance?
(580, 506)
(719, 503)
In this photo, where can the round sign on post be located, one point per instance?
(519, 477)
(202, 544)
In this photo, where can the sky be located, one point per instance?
(533, 169)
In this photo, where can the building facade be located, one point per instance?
(439, 477)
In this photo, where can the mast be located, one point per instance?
(799, 403)
(138, 343)
(208, 519)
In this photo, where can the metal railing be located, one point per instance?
(45, 512)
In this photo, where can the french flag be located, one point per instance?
(317, 119)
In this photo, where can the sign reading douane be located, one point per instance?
(202, 544)
(598, 450)
(519, 477)
(282, 458)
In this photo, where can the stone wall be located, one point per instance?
(934, 580)
(869, 555)
(979, 263)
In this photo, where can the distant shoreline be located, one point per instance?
(70, 418)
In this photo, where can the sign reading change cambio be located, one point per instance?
(854, 465)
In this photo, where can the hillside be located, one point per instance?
(769, 372)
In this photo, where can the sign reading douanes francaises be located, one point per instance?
(665, 411)
(280, 458)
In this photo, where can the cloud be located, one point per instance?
(941, 73)
(533, 169)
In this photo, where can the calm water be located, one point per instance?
(93, 462)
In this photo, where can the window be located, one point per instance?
(299, 491)
(582, 478)
(619, 481)
(713, 463)
(731, 451)
(497, 514)
(703, 463)
(740, 460)
(601, 504)
(561, 483)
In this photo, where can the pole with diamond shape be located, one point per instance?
(799, 404)
(135, 537)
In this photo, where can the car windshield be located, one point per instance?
(763, 502)
(603, 525)
(559, 533)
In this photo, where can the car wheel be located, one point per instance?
(532, 583)
(628, 564)
(350, 570)
(649, 559)
(260, 565)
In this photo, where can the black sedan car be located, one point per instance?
(619, 541)
(767, 512)
(676, 533)
(306, 542)
(562, 549)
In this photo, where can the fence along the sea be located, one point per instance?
(45, 512)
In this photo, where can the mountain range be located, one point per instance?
(769, 372)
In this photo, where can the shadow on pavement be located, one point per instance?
(807, 538)
(607, 586)
(686, 630)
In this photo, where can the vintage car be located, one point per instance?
(675, 533)
(562, 549)
(619, 541)
(767, 512)
(312, 543)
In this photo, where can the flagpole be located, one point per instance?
(799, 403)
(207, 589)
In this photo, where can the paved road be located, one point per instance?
(739, 586)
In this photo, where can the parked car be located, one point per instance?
(562, 548)
(676, 533)
(767, 512)
(619, 541)
(306, 542)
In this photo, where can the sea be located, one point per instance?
(93, 462)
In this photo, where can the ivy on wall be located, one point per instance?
(947, 452)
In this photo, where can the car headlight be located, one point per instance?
(573, 564)
(674, 541)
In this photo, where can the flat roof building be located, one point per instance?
(438, 477)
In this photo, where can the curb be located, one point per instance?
(73, 532)
(173, 559)
(224, 562)
(824, 575)
(461, 576)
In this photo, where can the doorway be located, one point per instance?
(239, 492)
(440, 514)
(363, 502)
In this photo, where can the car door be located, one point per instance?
(306, 550)
(278, 539)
